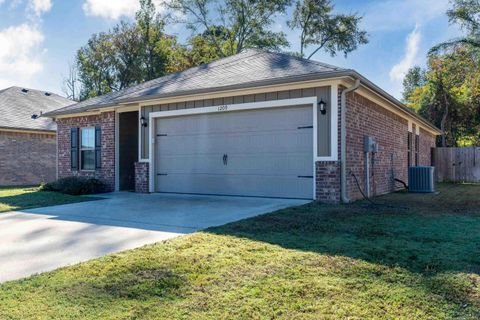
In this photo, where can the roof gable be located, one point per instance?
(17, 105)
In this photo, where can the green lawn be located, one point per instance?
(27, 198)
(414, 257)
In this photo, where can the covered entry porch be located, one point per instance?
(127, 129)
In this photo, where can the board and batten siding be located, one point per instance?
(323, 121)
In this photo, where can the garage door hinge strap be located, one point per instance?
(162, 174)
(306, 177)
(162, 135)
(306, 127)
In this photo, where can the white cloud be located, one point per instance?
(20, 55)
(35, 7)
(40, 6)
(111, 9)
(411, 56)
(395, 14)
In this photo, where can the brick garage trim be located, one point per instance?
(106, 121)
(141, 177)
(27, 158)
(327, 184)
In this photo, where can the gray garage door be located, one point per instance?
(266, 153)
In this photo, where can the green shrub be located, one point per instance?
(75, 186)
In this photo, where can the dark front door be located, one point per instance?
(128, 149)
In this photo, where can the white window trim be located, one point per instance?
(80, 149)
(313, 101)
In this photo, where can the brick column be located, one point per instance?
(328, 181)
(141, 177)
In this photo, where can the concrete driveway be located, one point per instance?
(44, 239)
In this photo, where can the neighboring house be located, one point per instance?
(254, 124)
(27, 145)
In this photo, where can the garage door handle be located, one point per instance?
(225, 159)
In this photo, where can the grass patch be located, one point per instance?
(26, 198)
(415, 257)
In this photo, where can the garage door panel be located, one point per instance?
(248, 121)
(267, 186)
(267, 152)
(294, 164)
(297, 140)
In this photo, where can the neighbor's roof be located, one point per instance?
(250, 68)
(17, 105)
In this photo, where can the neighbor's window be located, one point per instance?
(417, 147)
(409, 149)
(87, 148)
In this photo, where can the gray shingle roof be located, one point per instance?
(250, 67)
(17, 105)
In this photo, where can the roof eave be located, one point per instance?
(32, 130)
(55, 113)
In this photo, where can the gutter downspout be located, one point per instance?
(343, 142)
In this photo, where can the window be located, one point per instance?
(409, 149)
(417, 147)
(87, 149)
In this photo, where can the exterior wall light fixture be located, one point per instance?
(323, 106)
(143, 122)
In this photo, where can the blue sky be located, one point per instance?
(39, 38)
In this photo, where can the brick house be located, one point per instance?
(254, 124)
(27, 145)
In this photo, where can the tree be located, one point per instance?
(129, 54)
(466, 13)
(321, 29)
(202, 49)
(414, 79)
(151, 29)
(139, 51)
(71, 86)
(448, 94)
(233, 25)
(95, 66)
(127, 62)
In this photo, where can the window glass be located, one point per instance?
(409, 149)
(88, 138)
(417, 147)
(87, 149)
(88, 159)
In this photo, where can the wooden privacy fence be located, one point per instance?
(457, 164)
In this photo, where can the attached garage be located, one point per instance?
(265, 152)
(262, 124)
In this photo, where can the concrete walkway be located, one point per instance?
(44, 239)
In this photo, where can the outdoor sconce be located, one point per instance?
(323, 106)
(143, 122)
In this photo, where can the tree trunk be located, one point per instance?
(443, 123)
